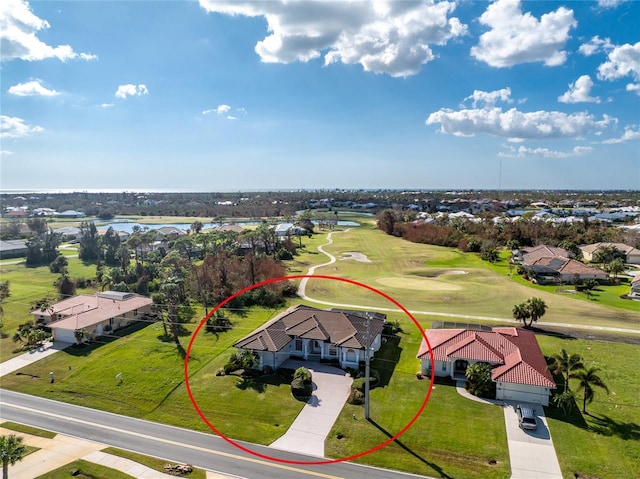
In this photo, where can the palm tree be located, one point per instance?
(11, 451)
(536, 308)
(565, 364)
(587, 379)
(521, 313)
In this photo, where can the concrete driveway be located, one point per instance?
(310, 429)
(531, 453)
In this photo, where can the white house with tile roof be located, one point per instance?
(519, 369)
(98, 314)
(314, 334)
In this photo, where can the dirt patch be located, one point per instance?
(356, 256)
(418, 284)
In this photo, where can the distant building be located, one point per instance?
(13, 249)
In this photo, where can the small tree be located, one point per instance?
(565, 364)
(479, 379)
(80, 335)
(564, 400)
(12, 450)
(532, 310)
(588, 378)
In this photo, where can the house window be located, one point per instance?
(298, 344)
(135, 313)
(333, 351)
(110, 321)
(444, 366)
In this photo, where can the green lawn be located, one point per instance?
(33, 431)
(606, 442)
(151, 462)
(88, 469)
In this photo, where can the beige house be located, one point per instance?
(314, 334)
(634, 293)
(557, 269)
(98, 314)
(633, 254)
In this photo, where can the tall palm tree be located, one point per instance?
(566, 364)
(537, 308)
(587, 379)
(11, 451)
(521, 313)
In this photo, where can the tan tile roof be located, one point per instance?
(339, 328)
(529, 255)
(514, 350)
(625, 248)
(86, 311)
(567, 266)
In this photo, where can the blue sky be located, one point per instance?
(227, 96)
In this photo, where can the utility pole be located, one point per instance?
(366, 371)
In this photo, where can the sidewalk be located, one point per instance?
(19, 362)
(62, 450)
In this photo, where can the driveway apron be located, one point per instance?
(531, 453)
(312, 426)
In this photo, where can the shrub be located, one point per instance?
(300, 388)
(303, 374)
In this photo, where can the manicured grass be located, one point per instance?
(152, 462)
(429, 278)
(89, 469)
(606, 442)
(34, 431)
(453, 437)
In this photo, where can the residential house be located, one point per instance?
(634, 293)
(519, 369)
(556, 269)
(530, 255)
(632, 254)
(97, 314)
(170, 232)
(314, 334)
(230, 227)
(13, 249)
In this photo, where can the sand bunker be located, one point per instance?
(355, 256)
(418, 284)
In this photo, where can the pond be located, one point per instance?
(127, 227)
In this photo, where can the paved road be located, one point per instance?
(174, 444)
(332, 259)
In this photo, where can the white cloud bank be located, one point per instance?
(31, 88)
(514, 124)
(131, 90)
(579, 92)
(524, 152)
(18, 40)
(13, 127)
(385, 36)
(629, 134)
(516, 38)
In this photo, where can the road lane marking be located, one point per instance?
(175, 443)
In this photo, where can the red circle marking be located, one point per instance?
(329, 461)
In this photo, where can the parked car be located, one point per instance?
(526, 417)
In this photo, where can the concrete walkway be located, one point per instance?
(531, 453)
(312, 426)
(32, 356)
(62, 450)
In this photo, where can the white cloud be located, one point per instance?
(18, 29)
(385, 36)
(516, 125)
(629, 134)
(106, 105)
(610, 3)
(579, 91)
(634, 87)
(31, 88)
(223, 110)
(516, 38)
(595, 45)
(13, 127)
(131, 90)
(524, 152)
(490, 98)
(6, 153)
(623, 60)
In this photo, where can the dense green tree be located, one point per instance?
(616, 266)
(479, 379)
(59, 265)
(530, 311)
(196, 227)
(110, 244)
(90, 248)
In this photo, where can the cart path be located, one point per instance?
(332, 259)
